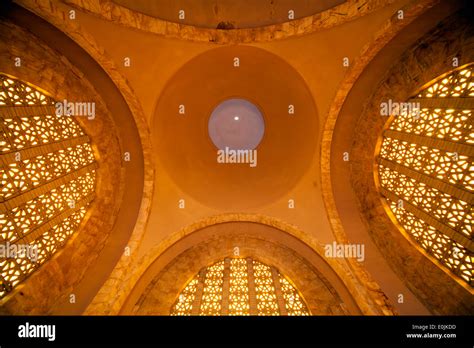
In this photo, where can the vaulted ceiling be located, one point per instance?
(227, 13)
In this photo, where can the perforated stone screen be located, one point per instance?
(48, 174)
(237, 286)
(426, 171)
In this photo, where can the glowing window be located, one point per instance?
(47, 180)
(239, 287)
(426, 171)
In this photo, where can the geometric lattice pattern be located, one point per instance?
(27, 174)
(14, 92)
(239, 301)
(457, 84)
(426, 172)
(24, 132)
(442, 164)
(445, 208)
(211, 300)
(47, 179)
(237, 286)
(445, 124)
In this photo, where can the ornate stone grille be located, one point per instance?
(426, 171)
(237, 286)
(47, 174)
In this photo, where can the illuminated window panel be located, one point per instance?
(211, 302)
(24, 132)
(426, 172)
(47, 180)
(184, 304)
(459, 83)
(293, 301)
(449, 124)
(14, 92)
(26, 217)
(238, 286)
(239, 289)
(445, 208)
(453, 254)
(265, 290)
(450, 166)
(27, 174)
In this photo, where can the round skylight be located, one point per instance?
(237, 124)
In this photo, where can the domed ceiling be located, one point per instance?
(262, 103)
(227, 14)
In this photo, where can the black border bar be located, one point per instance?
(327, 331)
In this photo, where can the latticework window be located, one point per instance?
(237, 286)
(426, 171)
(47, 180)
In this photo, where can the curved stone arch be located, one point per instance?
(61, 80)
(467, 58)
(430, 58)
(338, 15)
(161, 293)
(52, 13)
(47, 10)
(365, 296)
(389, 30)
(87, 44)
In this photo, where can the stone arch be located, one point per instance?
(64, 78)
(332, 151)
(319, 21)
(429, 58)
(262, 234)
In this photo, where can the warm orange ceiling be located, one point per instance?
(237, 13)
(188, 154)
